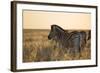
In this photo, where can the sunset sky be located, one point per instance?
(43, 20)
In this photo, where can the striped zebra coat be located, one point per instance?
(73, 42)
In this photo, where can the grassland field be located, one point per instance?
(37, 47)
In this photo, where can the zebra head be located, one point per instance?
(55, 32)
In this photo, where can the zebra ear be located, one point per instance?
(56, 28)
(53, 26)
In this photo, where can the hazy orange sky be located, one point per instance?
(43, 20)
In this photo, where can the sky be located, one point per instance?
(66, 20)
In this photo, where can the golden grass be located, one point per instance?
(37, 47)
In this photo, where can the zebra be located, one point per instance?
(73, 41)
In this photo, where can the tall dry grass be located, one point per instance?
(37, 47)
